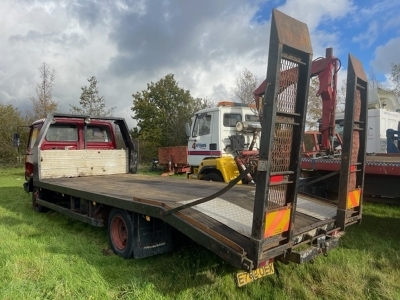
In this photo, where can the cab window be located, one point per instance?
(252, 118)
(202, 125)
(62, 132)
(33, 137)
(230, 120)
(98, 134)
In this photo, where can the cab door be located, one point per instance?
(202, 141)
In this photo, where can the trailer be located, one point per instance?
(382, 171)
(173, 159)
(75, 166)
(382, 162)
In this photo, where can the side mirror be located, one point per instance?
(187, 130)
(16, 139)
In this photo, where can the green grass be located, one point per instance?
(49, 256)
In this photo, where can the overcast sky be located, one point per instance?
(129, 43)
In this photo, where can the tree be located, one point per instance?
(161, 112)
(314, 105)
(44, 103)
(245, 84)
(12, 122)
(373, 82)
(395, 79)
(341, 97)
(91, 103)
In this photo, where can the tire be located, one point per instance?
(36, 193)
(120, 232)
(213, 177)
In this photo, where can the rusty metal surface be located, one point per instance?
(206, 225)
(277, 197)
(280, 158)
(288, 81)
(384, 158)
(353, 158)
(175, 155)
(357, 67)
(283, 122)
(291, 32)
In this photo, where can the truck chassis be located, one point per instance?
(223, 225)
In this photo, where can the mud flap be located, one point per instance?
(151, 236)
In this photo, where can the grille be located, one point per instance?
(277, 196)
(280, 159)
(288, 86)
(283, 133)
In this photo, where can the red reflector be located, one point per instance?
(262, 264)
(276, 178)
(265, 262)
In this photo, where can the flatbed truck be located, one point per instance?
(75, 166)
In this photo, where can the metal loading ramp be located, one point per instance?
(241, 219)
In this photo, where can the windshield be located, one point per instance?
(202, 125)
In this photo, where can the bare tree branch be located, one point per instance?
(245, 84)
(44, 103)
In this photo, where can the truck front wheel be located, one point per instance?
(213, 177)
(120, 232)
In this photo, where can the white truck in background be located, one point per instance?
(383, 114)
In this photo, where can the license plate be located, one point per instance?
(243, 278)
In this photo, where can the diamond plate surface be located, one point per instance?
(240, 219)
(231, 215)
(316, 210)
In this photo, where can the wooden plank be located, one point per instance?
(75, 163)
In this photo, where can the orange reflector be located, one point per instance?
(353, 168)
(353, 198)
(277, 221)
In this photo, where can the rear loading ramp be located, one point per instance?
(354, 147)
(283, 120)
(223, 225)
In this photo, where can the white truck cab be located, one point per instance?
(214, 139)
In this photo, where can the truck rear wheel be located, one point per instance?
(36, 193)
(120, 232)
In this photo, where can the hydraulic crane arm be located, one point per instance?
(326, 68)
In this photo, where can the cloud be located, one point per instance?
(315, 12)
(176, 34)
(385, 55)
(129, 43)
(368, 37)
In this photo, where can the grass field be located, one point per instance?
(49, 256)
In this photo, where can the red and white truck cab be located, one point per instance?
(66, 133)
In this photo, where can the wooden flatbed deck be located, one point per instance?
(231, 215)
